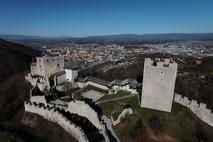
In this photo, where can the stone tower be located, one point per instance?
(158, 84)
(47, 65)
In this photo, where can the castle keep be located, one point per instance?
(47, 65)
(158, 84)
(48, 71)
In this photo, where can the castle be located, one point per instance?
(49, 71)
(47, 65)
(50, 81)
(158, 84)
(83, 119)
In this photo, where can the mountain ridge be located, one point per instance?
(118, 37)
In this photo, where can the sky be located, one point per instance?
(78, 18)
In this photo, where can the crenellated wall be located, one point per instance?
(114, 87)
(83, 109)
(199, 110)
(56, 117)
(124, 88)
(42, 84)
(48, 65)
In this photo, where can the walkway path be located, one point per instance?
(113, 99)
(109, 126)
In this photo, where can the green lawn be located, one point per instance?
(119, 94)
(132, 101)
(111, 108)
(72, 91)
(114, 108)
(180, 124)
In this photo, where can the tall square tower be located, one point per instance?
(158, 84)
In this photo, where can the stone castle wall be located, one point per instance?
(58, 118)
(80, 84)
(37, 99)
(114, 87)
(97, 85)
(71, 75)
(158, 84)
(47, 65)
(84, 84)
(83, 109)
(124, 88)
(121, 116)
(199, 110)
(61, 79)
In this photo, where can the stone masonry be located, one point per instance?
(158, 84)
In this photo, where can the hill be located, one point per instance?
(121, 38)
(125, 38)
(14, 58)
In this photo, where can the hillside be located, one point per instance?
(14, 58)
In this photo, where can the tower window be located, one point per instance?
(154, 63)
(165, 65)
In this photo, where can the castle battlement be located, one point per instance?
(199, 109)
(47, 65)
(162, 63)
(159, 78)
(83, 109)
(61, 117)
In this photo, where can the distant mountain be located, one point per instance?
(151, 37)
(20, 37)
(117, 38)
